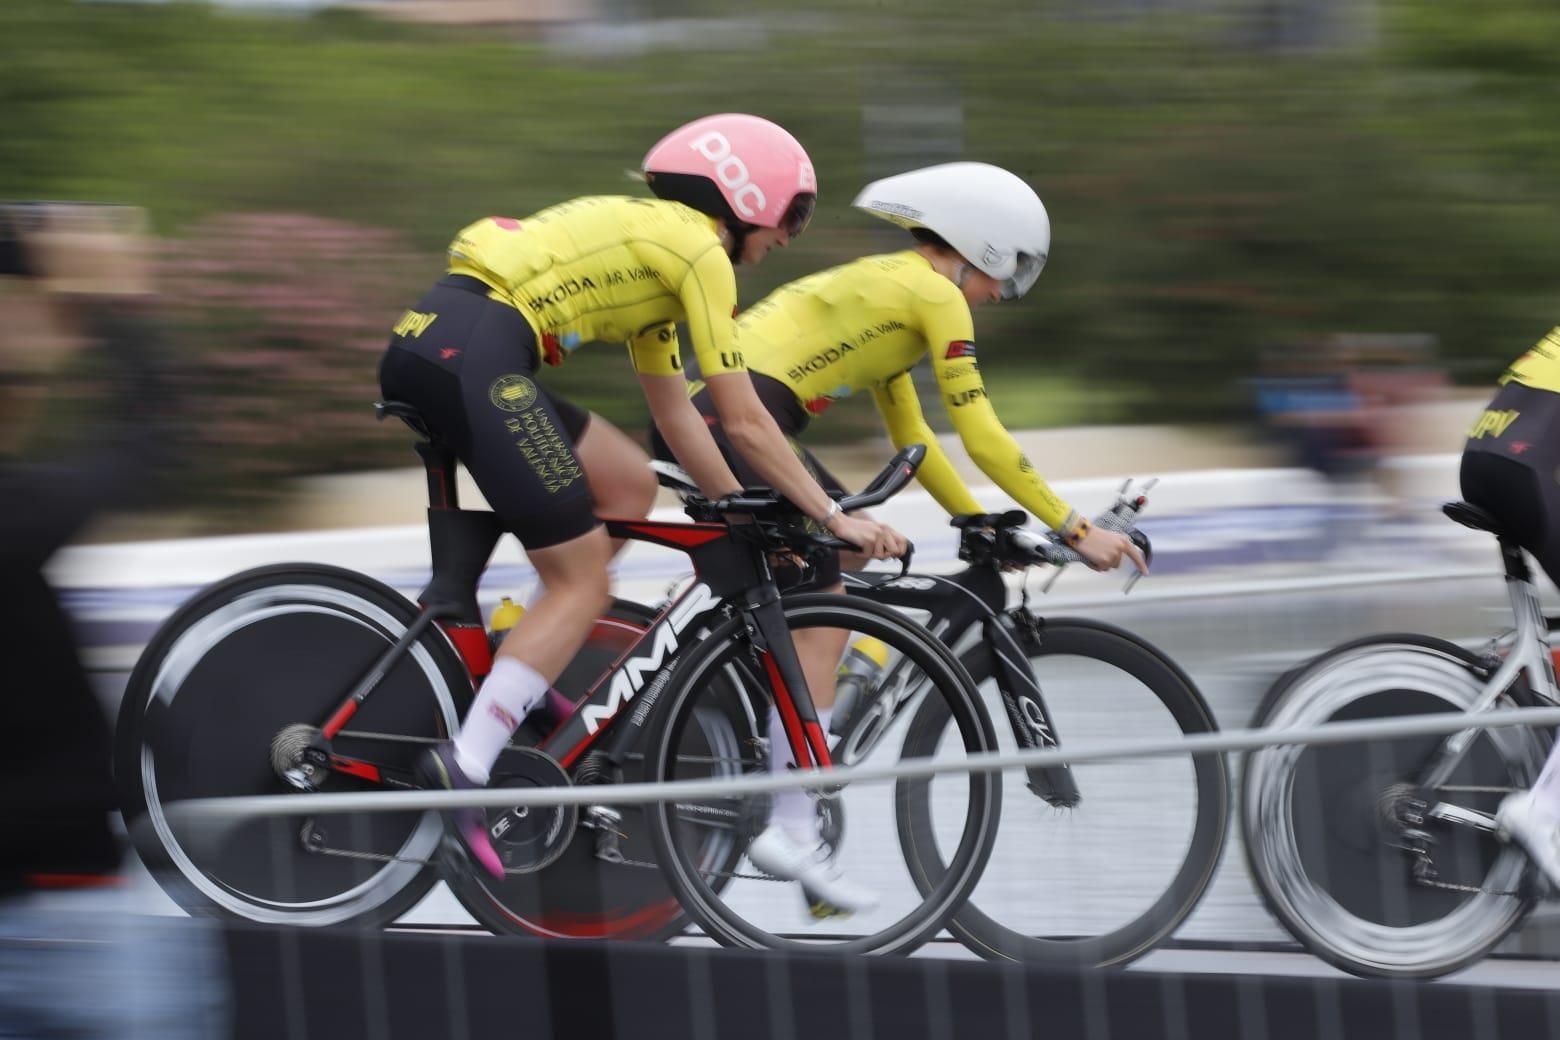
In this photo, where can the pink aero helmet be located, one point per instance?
(742, 168)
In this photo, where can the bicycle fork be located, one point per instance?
(1024, 704)
(772, 640)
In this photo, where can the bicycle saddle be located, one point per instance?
(1472, 516)
(406, 413)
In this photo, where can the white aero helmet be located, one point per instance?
(995, 220)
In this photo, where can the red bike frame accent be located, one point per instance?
(471, 642)
(806, 738)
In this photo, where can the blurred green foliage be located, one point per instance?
(1213, 197)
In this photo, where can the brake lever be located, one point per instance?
(1140, 540)
(904, 558)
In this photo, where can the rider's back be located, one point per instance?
(603, 268)
(853, 326)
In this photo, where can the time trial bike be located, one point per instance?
(303, 677)
(1383, 858)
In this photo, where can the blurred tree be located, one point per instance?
(1210, 199)
(283, 318)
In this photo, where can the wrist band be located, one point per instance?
(1076, 530)
(834, 511)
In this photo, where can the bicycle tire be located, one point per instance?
(580, 895)
(679, 701)
(1123, 651)
(244, 658)
(1333, 928)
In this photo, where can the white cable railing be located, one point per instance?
(987, 762)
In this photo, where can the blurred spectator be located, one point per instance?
(1392, 379)
(1339, 408)
(1307, 405)
(74, 961)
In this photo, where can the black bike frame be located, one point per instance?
(957, 604)
(732, 576)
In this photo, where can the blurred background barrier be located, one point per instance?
(1222, 525)
(292, 984)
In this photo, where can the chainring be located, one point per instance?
(530, 838)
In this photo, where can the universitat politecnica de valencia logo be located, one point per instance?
(512, 393)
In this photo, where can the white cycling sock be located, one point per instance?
(793, 810)
(511, 690)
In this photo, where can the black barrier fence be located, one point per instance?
(293, 984)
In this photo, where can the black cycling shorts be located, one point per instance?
(1511, 468)
(467, 363)
(789, 415)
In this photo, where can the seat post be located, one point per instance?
(439, 462)
(1515, 559)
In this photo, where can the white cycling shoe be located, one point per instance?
(826, 890)
(1522, 820)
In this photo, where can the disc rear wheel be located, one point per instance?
(1335, 835)
(235, 682)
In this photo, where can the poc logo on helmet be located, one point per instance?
(806, 180)
(731, 171)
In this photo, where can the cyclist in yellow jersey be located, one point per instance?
(981, 235)
(523, 293)
(1511, 468)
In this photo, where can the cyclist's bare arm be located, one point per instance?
(687, 435)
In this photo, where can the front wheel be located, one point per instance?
(230, 682)
(1331, 832)
(1103, 882)
(751, 909)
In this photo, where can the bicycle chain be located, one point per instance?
(631, 756)
(718, 873)
(1452, 886)
(313, 845)
(310, 844)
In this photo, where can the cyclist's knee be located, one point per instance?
(634, 493)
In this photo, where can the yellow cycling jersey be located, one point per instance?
(1539, 367)
(611, 269)
(864, 325)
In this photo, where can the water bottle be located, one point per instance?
(854, 681)
(504, 617)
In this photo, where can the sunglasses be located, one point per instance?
(798, 213)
